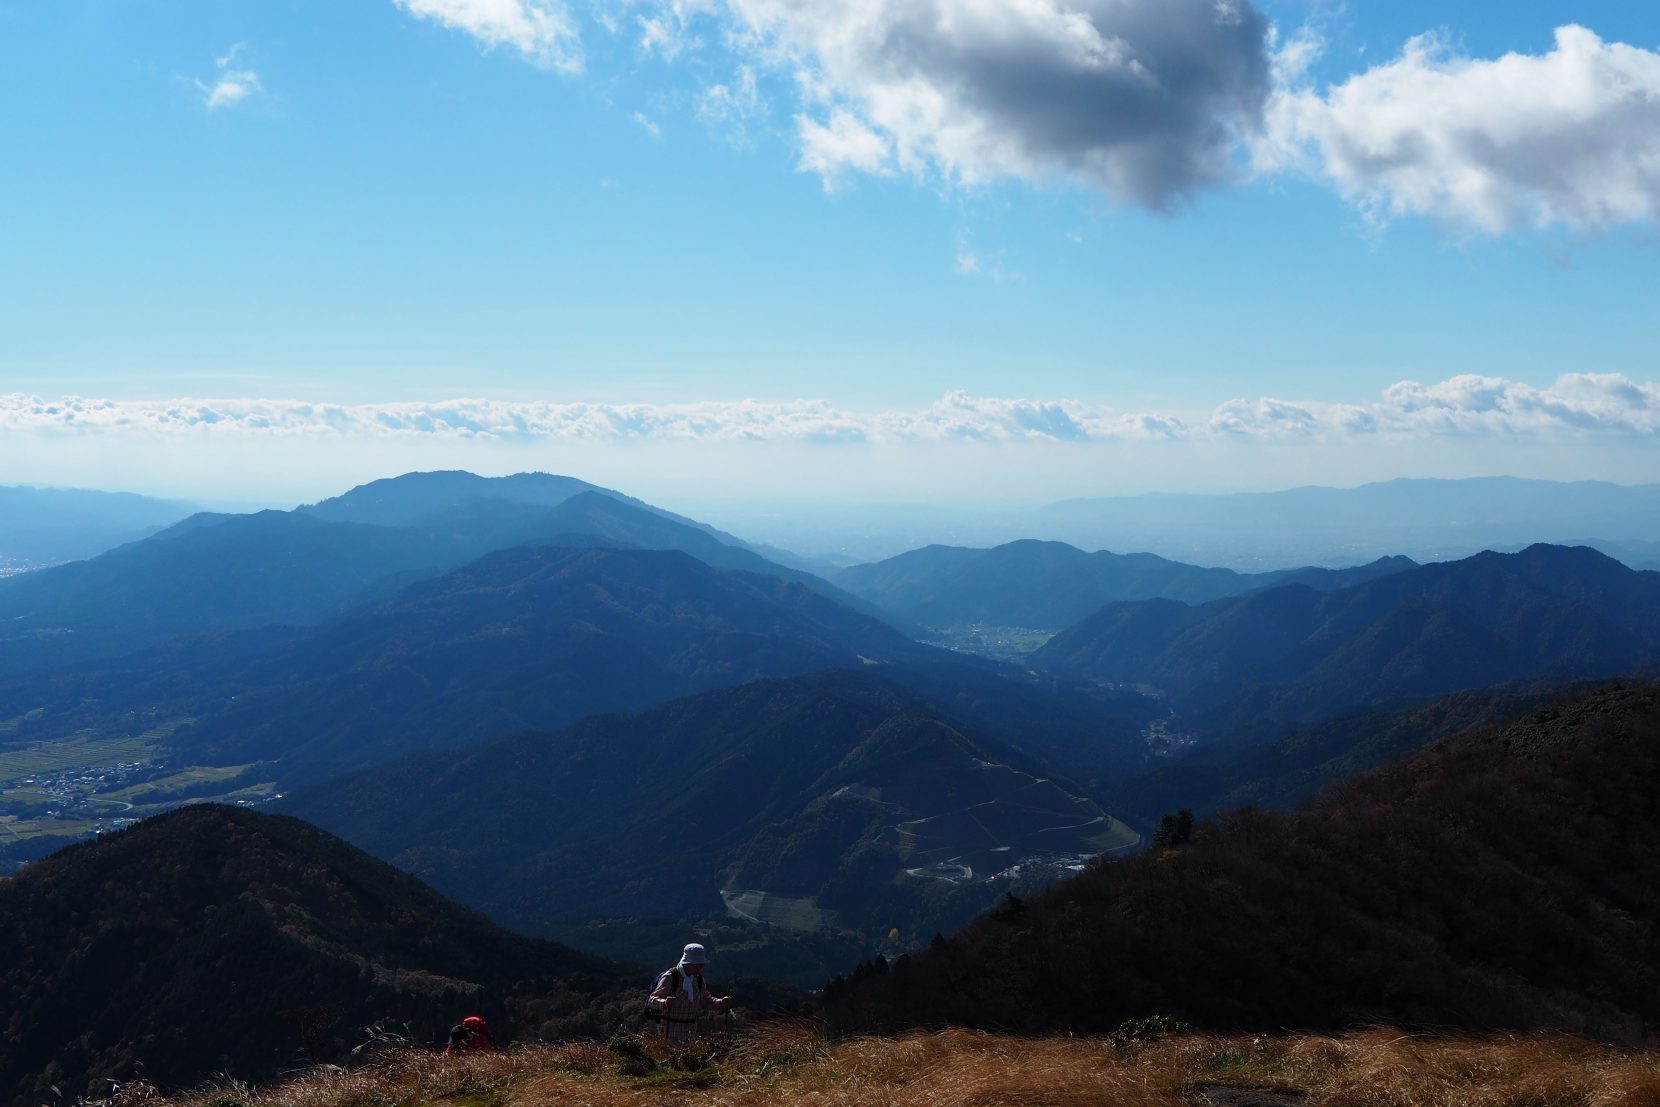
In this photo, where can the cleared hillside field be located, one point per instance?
(69, 787)
(793, 1065)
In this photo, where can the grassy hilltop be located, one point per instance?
(793, 1065)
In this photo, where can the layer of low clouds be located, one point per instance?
(1571, 136)
(232, 82)
(541, 31)
(1576, 405)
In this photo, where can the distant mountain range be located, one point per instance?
(214, 573)
(1296, 655)
(43, 526)
(1424, 519)
(527, 637)
(1504, 878)
(1427, 520)
(838, 800)
(217, 941)
(1050, 585)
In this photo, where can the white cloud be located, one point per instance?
(1468, 405)
(1607, 402)
(1142, 99)
(1570, 137)
(1576, 406)
(730, 106)
(657, 37)
(666, 28)
(231, 83)
(959, 416)
(1264, 418)
(843, 143)
(648, 125)
(543, 31)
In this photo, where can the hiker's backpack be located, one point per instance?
(652, 1012)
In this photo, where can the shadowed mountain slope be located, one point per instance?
(1295, 655)
(1050, 585)
(529, 637)
(532, 636)
(1505, 878)
(833, 800)
(215, 940)
(611, 520)
(1284, 773)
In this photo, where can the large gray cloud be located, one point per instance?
(1143, 99)
(1575, 405)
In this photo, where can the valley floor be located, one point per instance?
(792, 1064)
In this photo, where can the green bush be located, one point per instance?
(1147, 1029)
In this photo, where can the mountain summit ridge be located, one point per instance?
(1297, 655)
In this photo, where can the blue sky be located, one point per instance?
(396, 203)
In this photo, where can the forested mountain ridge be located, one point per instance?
(216, 940)
(841, 797)
(1296, 656)
(1281, 774)
(1051, 585)
(1507, 877)
(534, 636)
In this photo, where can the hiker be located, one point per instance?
(681, 995)
(470, 1035)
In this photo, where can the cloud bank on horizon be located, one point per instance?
(1151, 101)
(1577, 406)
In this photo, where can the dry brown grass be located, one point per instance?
(792, 1064)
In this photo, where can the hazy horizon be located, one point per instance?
(1426, 519)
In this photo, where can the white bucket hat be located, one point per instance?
(694, 954)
